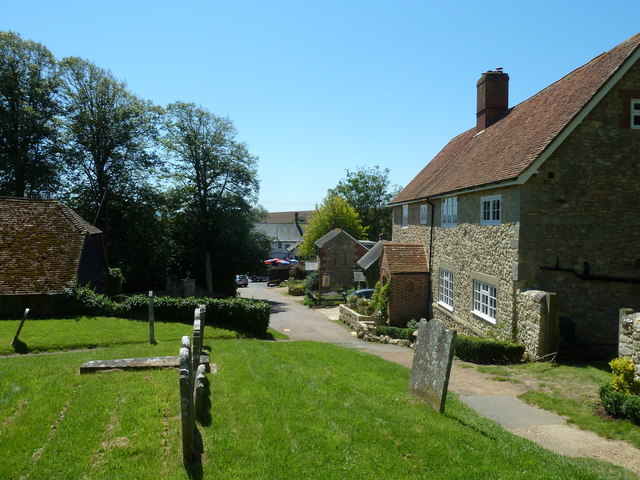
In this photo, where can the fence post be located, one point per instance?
(152, 339)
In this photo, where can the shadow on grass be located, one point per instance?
(194, 468)
(204, 415)
(19, 346)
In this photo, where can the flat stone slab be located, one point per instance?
(511, 412)
(139, 364)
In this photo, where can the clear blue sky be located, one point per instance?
(315, 88)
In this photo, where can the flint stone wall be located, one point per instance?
(629, 337)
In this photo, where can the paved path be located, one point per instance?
(495, 400)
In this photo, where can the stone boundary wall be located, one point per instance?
(537, 324)
(629, 337)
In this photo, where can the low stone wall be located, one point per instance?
(365, 327)
(537, 324)
(629, 337)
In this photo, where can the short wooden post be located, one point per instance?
(24, 317)
(152, 338)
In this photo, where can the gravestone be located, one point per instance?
(432, 363)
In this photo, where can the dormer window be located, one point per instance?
(635, 113)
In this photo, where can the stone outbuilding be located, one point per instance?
(405, 266)
(44, 248)
(337, 253)
(542, 197)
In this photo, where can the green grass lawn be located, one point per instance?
(91, 332)
(571, 391)
(277, 410)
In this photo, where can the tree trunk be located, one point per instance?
(208, 274)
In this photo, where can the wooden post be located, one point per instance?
(24, 317)
(152, 339)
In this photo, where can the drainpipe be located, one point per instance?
(430, 298)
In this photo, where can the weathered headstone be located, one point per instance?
(186, 402)
(432, 363)
(197, 339)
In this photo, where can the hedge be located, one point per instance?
(482, 350)
(241, 313)
(396, 332)
(620, 405)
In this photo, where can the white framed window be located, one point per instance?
(445, 289)
(424, 214)
(490, 210)
(635, 113)
(449, 211)
(484, 300)
(405, 216)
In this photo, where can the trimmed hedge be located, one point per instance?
(482, 350)
(242, 313)
(395, 332)
(620, 405)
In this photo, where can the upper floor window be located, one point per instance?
(445, 289)
(424, 210)
(405, 216)
(484, 300)
(635, 113)
(449, 211)
(490, 210)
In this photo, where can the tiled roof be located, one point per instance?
(288, 217)
(40, 245)
(405, 257)
(282, 232)
(505, 149)
(333, 233)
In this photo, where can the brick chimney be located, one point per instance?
(493, 98)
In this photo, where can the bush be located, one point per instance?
(395, 332)
(624, 373)
(481, 350)
(240, 313)
(364, 306)
(296, 287)
(311, 283)
(620, 405)
(298, 272)
(380, 299)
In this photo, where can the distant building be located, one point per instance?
(338, 253)
(285, 229)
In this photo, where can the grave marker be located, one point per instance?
(152, 338)
(432, 363)
(24, 317)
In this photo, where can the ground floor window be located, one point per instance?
(484, 300)
(445, 289)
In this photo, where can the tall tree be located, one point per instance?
(368, 190)
(29, 82)
(216, 184)
(108, 146)
(334, 212)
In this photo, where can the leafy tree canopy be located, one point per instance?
(368, 191)
(29, 82)
(335, 212)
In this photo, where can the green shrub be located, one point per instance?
(351, 301)
(620, 405)
(624, 373)
(311, 283)
(395, 332)
(364, 306)
(240, 313)
(481, 350)
(296, 287)
(309, 302)
(298, 272)
(380, 299)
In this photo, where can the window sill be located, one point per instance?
(445, 306)
(484, 317)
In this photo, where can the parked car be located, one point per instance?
(364, 293)
(242, 281)
(254, 277)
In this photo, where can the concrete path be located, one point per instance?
(495, 400)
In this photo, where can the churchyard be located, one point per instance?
(272, 410)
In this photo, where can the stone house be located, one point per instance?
(537, 202)
(337, 254)
(405, 266)
(44, 247)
